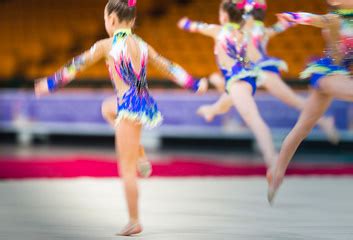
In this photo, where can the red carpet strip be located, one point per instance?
(81, 166)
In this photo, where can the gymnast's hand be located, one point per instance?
(203, 86)
(185, 24)
(41, 87)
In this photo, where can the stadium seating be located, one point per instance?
(43, 35)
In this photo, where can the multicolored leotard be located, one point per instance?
(339, 57)
(136, 103)
(231, 57)
(346, 43)
(266, 63)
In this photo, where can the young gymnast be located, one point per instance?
(269, 76)
(329, 78)
(235, 54)
(126, 55)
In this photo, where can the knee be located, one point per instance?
(104, 110)
(127, 170)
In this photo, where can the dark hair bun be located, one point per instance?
(235, 14)
(259, 14)
(124, 9)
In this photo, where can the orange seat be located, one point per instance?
(46, 34)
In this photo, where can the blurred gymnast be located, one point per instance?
(329, 78)
(126, 55)
(269, 75)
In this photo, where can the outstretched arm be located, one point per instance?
(210, 30)
(176, 72)
(320, 21)
(68, 72)
(279, 27)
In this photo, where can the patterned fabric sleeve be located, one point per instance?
(301, 17)
(174, 71)
(281, 26)
(193, 26)
(66, 74)
(321, 21)
(210, 30)
(69, 71)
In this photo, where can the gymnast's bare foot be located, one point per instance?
(206, 112)
(131, 229)
(274, 179)
(144, 168)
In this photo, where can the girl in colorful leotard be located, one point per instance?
(126, 55)
(269, 74)
(329, 78)
(233, 47)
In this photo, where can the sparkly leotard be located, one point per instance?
(231, 57)
(346, 42)
(339, 56)
(266, 63)
(136, 103)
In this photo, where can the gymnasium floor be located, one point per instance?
(175, 206)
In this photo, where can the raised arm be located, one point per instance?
(320, 21)
(210, 30)
(69, 71)
(176, 73)
(279, 27)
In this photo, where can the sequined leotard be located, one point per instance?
(231, 57)
(266, 63)
(136, 103)
(339, 53)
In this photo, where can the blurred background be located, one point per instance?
(58, 167)
(38, 37)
